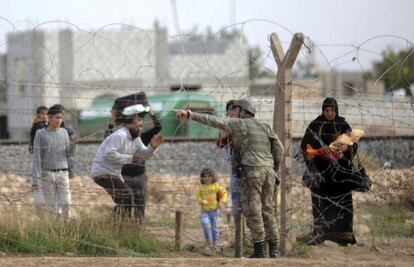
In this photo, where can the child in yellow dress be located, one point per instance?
(210, 195)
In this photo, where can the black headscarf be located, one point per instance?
(330, 102)
(322, 132)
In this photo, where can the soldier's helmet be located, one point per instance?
(246, 105)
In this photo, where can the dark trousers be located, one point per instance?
(138, 184)
(120, 192)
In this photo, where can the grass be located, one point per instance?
(83, 237)
(300, 249)
(387, 221)
(370, 163)
(164, 222)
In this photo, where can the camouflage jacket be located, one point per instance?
(238, 128)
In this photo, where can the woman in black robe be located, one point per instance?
(328, 180)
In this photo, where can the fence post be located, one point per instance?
(238, 243)
(228, 217)
(282, 123)
(178, 226)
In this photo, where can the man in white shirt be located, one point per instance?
(122, 147)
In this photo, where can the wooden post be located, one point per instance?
(178, 226)
(238, 243)
(228, 217)
(282, 123)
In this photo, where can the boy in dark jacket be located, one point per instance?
(39, 122)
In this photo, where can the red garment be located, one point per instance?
(323, 153)
(223, 141)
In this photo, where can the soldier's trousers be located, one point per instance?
(258, 186)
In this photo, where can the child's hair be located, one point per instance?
(208, 171)
(55, 109)
(41, 109)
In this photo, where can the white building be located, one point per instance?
(74, 67)
(45, 67)
(3, 99)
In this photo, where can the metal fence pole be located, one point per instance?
(178, 226)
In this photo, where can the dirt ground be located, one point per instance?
(370, 252)
(395, 252)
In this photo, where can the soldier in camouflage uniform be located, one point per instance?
(259, 153)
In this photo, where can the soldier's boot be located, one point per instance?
(273, 250)
(258, 250)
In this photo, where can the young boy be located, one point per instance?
(51, 150)
(38, 122)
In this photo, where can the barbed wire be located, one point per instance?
(107, 63)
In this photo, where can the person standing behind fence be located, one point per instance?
(259, 153)
(41, 121)
(124, 146)
(38, 122)
(210, 195)
(134, 174)
(225, 141)
(332, 206)
(51, 151)
(74, 137)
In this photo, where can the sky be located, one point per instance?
(348, 34)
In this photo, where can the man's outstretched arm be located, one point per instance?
(210, 120)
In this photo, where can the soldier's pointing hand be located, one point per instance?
(182, 114)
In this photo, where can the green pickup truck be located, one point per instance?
(94, 119)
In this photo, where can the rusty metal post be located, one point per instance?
(178, 226)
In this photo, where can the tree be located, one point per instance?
(396, 69)
(256, 67)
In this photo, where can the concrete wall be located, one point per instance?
(188, 158)
(50, 67)
(119, 62)
(228, 64)
(378, 117)
(25, 90)
(3, 84)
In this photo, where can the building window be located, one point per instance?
(4, 134)
(21, 75)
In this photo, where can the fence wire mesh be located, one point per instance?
(82, 68)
